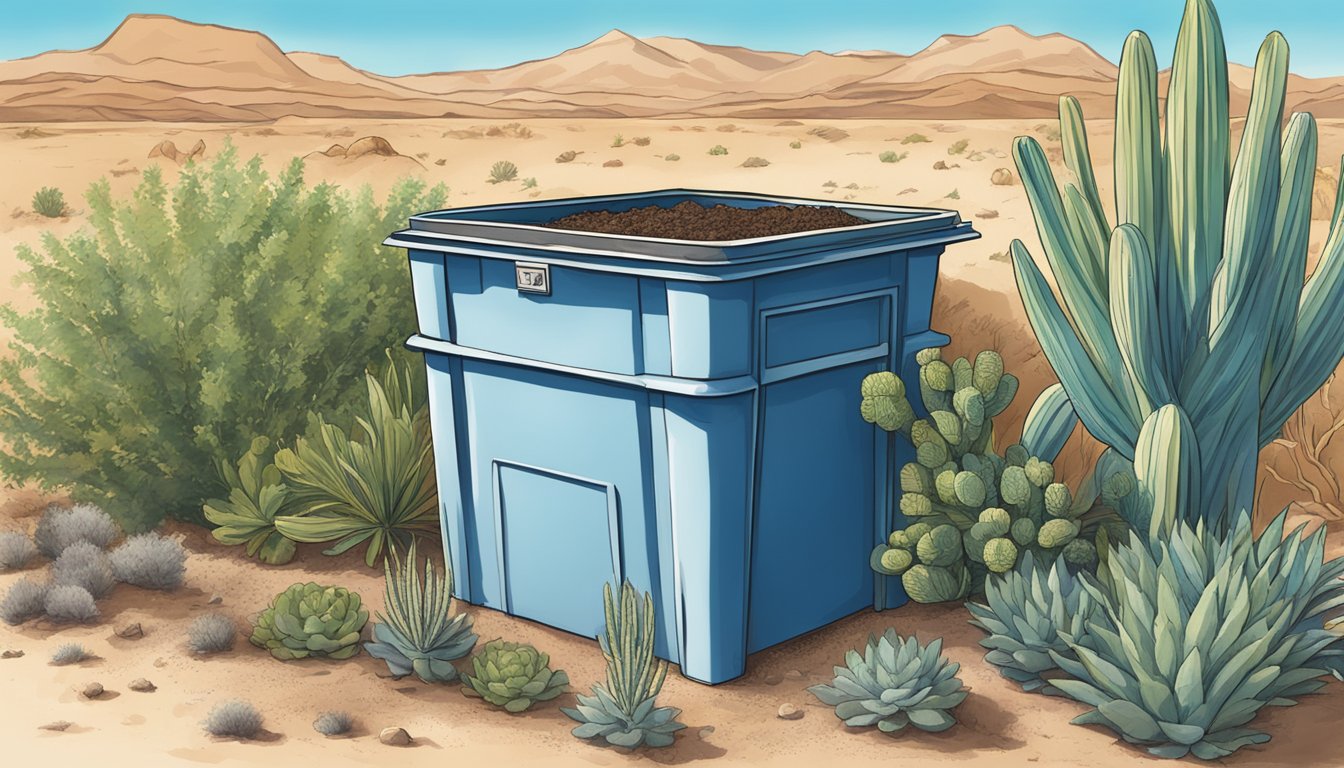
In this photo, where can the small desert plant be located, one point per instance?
(16, 551)
(84, 565)
(892, 157)
(618, 141)
(49, 202)
(624, 712)
(1024, 614)
(795, 144)
(26, 599)
(211, 633)
(333, 723)
(233, 719)
(755, 162)
(642, 141)
(311, 620)
(672, 157)
(829, 184)
(530, 182)
(59, 527)
(567, 156)
(69, 603)
(513, 676)
(953, 195)
(257, 495)
(897, 682)
(69, 653)
(150, 561)
(958, 147)
(718, 149)
(502, 171)
(915, 138)
(419, 634)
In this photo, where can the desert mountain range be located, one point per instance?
(166, 69)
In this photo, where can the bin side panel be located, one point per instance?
(657, 339)
(444, 376)
(589, 319)
(429, 283)
(921, 279)
(710, 463)
(710, 329)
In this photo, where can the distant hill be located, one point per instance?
(162, 68)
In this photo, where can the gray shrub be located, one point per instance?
(69, 653)
(60, 527)
(333, 723)
(236, 718)
(25, 600)
(150, 561)
(16, 551)
(211, 633)
(84, 565)
(68, 603)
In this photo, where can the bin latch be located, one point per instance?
(533, 278)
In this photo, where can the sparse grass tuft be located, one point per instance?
(150, 561)
(69, 653)
(718, 149)
(25, 600)
(49, 202)
(619, 141)
(502, 171)
(211, 633)
(958, 147)
(16, 551)
(795, 144)
(892, 157)
(830, 184)
(915, 138)
(233, 719)
(333, 723)
(672, 158)
(953, 195)
(530, 182)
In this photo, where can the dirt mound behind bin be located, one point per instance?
(692, 221)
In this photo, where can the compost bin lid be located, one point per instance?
(524, 226)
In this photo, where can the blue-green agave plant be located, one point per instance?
(1196, 294)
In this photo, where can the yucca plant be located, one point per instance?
(1195, 294)
(895, 683)
(1024, 612)
(624, 711)
(419, 634)
(377, 489)
(257, 495)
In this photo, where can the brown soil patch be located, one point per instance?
(692, 221)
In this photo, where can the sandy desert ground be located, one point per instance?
(734, 723)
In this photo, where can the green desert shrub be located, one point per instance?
(958, 147)
(25, 599)
(624, 712)
(257, 495)
(69, 603)
(61, 527)
(795, 144)
(915, 138)
(973, 511)
(502, 171)
(513, 676)
(755, 162)
(718, 149)
(84, 565)
(642, 141)
(895, 683)
(16, 551)
(150, 561)
(187, 319)
(235, 719)
(892, 157)
(311, 620)
(211, 633)
(672, 157)
(530, 182)
(618, 141)
(49, 202)
(419, 634)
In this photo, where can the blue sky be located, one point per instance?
(399, 36)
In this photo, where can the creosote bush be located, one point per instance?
(334, 723)
(236, 719)
(892, 157)
(718, 149)
(60, 527)
(26, 599)
(189, 317)
(84, 565)
(211, 633)
(69, 653)
(150, 561)
(67, 603)
(16, 551)
(49, 202)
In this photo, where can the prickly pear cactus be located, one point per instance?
(972, 511)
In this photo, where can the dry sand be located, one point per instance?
(977, 303)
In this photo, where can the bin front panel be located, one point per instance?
(589, 319)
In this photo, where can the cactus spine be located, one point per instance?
(1195, 298)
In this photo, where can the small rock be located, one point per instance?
(988, 213)
(706, 731)
(141, 685)
(59, 725)
(773, 679)
(93, 690)
(13, 653)
(160, 663)
(794, 674)
(395, 737)
(131, 632)
(790, 712)
(1002, 177)
(908, 191)
(216, 599)
(613, 164)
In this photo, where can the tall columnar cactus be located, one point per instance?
(1194, 296)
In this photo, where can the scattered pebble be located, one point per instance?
(706, 731)
(773, 679)
(160, 663)
(93, 690)
(131, 632)
(790, 712)
(794, 674)
(988, 213)
(12, 653)
(395, 737)
(141, 685)
(216, 599)
(59, 725)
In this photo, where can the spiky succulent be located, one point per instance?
(513, 676)
(420, 634)
(311, 620)
(1023, 613)
(895, 683)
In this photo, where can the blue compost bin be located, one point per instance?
(682, 414)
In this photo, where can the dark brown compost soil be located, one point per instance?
(692, 221)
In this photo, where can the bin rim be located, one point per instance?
(472, 224)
